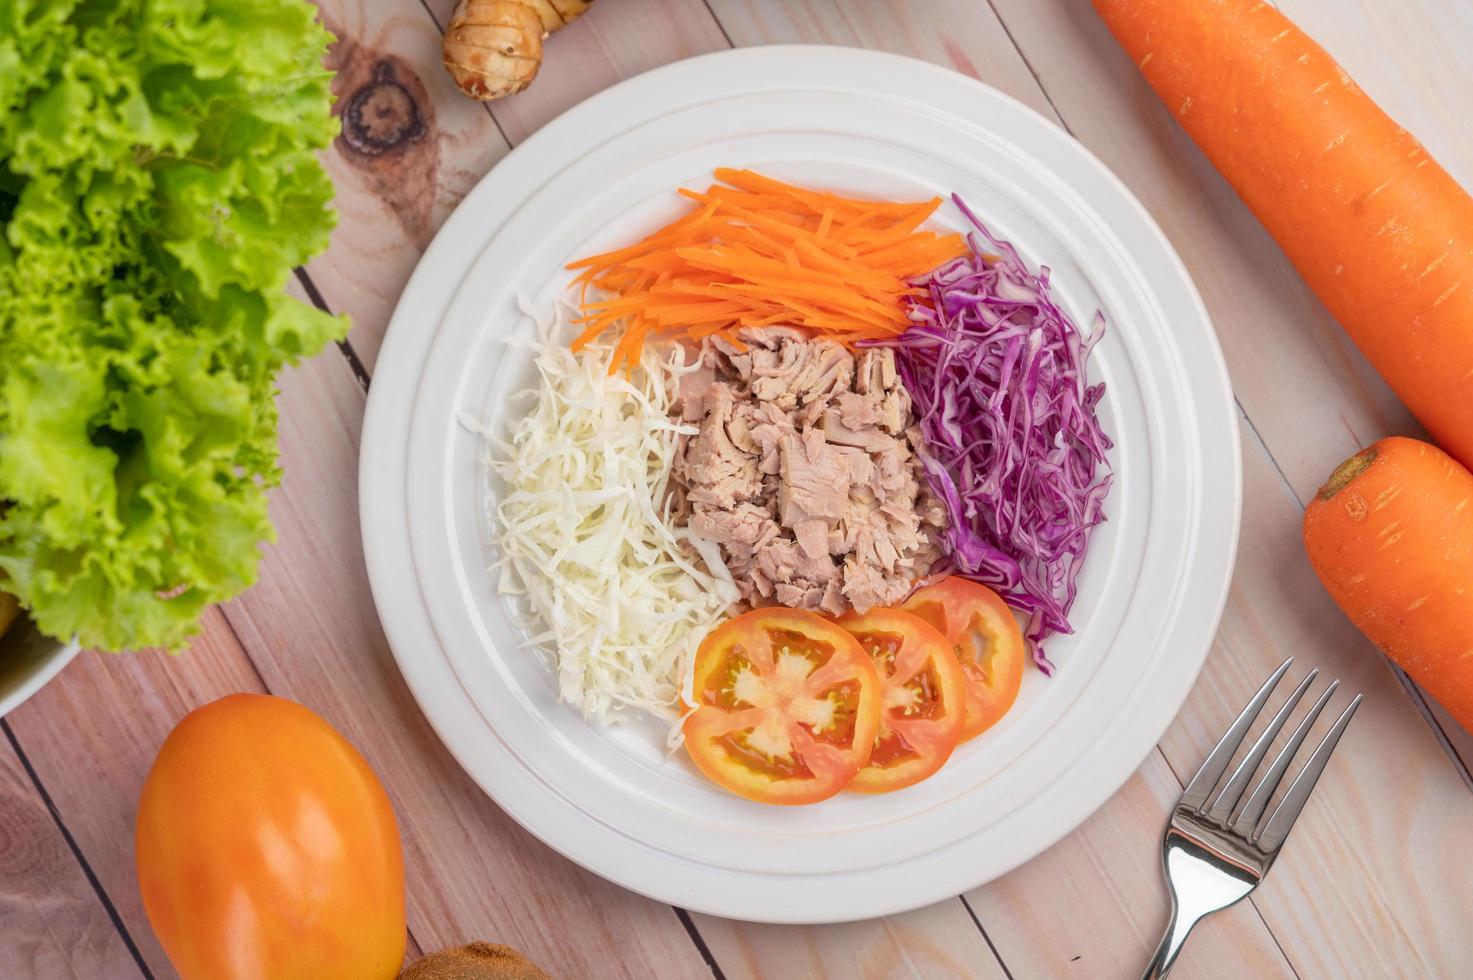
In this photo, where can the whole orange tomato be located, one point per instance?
(267, 848)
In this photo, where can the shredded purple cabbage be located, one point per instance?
(997, 373)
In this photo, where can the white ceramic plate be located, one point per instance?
(859, 122)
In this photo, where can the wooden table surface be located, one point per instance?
(1376, 881)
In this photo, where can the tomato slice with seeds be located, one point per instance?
(787, 706)
(986, 639)
(924, 701)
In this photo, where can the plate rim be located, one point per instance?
(378, 497)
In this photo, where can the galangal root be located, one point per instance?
(493, 48)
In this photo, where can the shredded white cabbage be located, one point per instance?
(620, 596)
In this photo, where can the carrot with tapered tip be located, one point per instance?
(1382, 234)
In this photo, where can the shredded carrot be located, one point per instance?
(759, 252)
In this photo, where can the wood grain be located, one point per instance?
(1331, 902)
(410, 148)
(1413, 58)
(311, 630)
(91, 735)
(625, 37)
(626, 44)
(1369, 885)
(940, 940)
(1313, 399)
(1350, 897)
(1316, 400)
(1122, 888)
(960, 34)
(1425, 81)
(1111, 866)
(1073, 59)
(392, 198)
(51, 922)
(613, 42)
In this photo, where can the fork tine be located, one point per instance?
(1258, 802)
(1232, 793)
(1289, 808)
(1201, 785)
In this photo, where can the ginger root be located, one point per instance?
(493, 48)
(477, 961)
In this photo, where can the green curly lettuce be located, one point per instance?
(158, 182)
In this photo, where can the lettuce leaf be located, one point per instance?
(158, 182)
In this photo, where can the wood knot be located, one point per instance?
(381, 115)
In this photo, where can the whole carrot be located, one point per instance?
(1382, 234)
(1390, 535)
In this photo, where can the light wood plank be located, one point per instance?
(1350, 896)
(960, 34)
(1340, 906)
(1111, 865)
(449, 900)
(1306, 389)
(1425, 81)
(1223, 245)
(1365, 887)
(91, 735)
(940, 940)
(390, 202)
(1094, 905)
(311, 629)
(309, 563)
(1415, 58)
(613, 41)
(1316, 400)
(51, 921)
(625, 39)
(1176, 183)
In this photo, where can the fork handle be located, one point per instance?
(1177, 929)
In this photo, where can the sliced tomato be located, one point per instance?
(986, 639)
(924, 704)
(787, 706)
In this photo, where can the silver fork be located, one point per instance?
(1214, 855)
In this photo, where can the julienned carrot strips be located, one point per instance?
(754, 251)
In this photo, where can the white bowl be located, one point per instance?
(28, 659)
